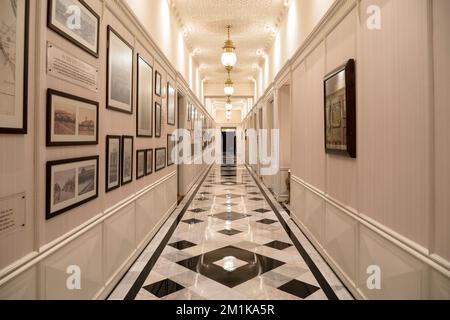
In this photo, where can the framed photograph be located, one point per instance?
(340, 110)
(14, 30)
(158, 83)
(75, 21)
(71, 120)
(140, 164)
(119, 92)
(170, 148)
(144, 99)
(170, 105)
(189, 112)
(127, 160)
(160, 159)
(158, 122)
(148, 162)
(70, 183)
(113, 155)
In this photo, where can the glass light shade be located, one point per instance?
(228, 107)
(228, 113)
(229, 59)
(229, 90)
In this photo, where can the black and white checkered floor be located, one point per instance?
(230, 244)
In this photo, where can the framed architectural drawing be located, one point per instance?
(158, 121)
(340, 110)
(119, 92)
(71, 120)
(70, 183)
(170, 148)
(144, 116)
(158, 83)
(160, 159)
(170, 105)
(127, 160)
(148, 162)
(113, 155)
(14, 25)
(75, 21)
(140, 164)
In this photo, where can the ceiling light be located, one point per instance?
(229, 89)
(229, 58)
(260, 52)
(228, 105)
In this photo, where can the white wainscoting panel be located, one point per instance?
(23, 287)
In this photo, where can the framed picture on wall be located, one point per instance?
(148, 162)
(170, 148)
(158, 83)
(170, 105)
(71, 120)
(140, 164)
(158, 121)
(75, 21)
(119, 92)
(127, 160)
(340, 110)
(144, 116)
(160, 159)
(70, 183)
(113, 158)
(14, 30)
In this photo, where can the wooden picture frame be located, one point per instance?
(70, 183)
(127, 150)
(170, 146)
(144, 103)
(113, 163)
(160, 159)
(71, 120)
(340, 110)
(158, 120)
(86, 35)
(148, 162)
(171, 105)
(158, 83)
(13, 90)
(140, 164)
(119, 73)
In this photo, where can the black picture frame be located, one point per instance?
(162, 166)
(109, 188)
(347, 72)
(50, 141)
(158, 120)
(170, 146)
(141, 59)
(49, 213)
(144, 154)
(122, 164)
(24, 127)
(148, 163)
(171, 106)
(69, 37)
(110, 30)
(158, 83)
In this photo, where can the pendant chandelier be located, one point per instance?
(228, 105)
(229, 58)
(229, 89)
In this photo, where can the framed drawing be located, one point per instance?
(75, 21)
(170, 149)
(71, 120)
(140, 164)
(158, 121)
(160, 159)
(158, 83)
(148, 162)
(144, 116)
(113, 155)
(14, 30)
(119, 88)
(127, 160)
(340, 110)
(170, 105)
(70, 183)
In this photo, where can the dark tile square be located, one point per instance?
(163, 288)
(266, 221)
(230, 233)
(254, 193)
(256, 199)
(262, 210)
(197, 210)
(230, 216)
(181, 245)
(298, 288)
(279, 245)
(192, 221)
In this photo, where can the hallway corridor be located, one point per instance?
(230, 244)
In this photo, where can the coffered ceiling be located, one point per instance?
(204, 25)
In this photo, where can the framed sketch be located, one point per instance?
(70, 183)
(144, 116)
(119, 92)
(158, 122)
(140, 164)
(71, 120)
(158, 83)
(340, 110)
(170, 105)
(113, 155)
(127, 160)
(170, 148)
(14, 30)
(75, 21)
(148, 162)
(160, 159)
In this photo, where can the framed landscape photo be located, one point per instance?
(144, 116)
(158, 121)
(170, 147)
(148, 162)
(160, 159)
(71, 120)
(170, 105)
(113, 158)
(119, 92)
(158, 83)
(140, 164)
(127, 160)
(70, 183)
(14, 30)
(340, 110)
(75, 21)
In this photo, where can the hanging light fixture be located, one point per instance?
(228, 105)
(229, 58)
(229, 89)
